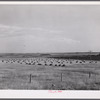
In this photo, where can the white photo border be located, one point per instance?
(39, 94)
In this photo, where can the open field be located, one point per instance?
(49, 73)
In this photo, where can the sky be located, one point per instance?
(49, 28)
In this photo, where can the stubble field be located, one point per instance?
(40, 73)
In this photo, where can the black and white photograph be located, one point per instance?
(49, 47)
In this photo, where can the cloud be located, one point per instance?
(11, 31)
(8, 31)
(66, 40)
(14, 37)
(37, 33)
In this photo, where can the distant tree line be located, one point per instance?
(80, 57)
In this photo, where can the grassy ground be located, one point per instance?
(74, 77)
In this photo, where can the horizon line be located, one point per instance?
(48, 52)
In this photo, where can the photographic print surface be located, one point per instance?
(50, 47)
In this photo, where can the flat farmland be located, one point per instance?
(40, 73)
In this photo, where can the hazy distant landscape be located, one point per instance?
(68, 54)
